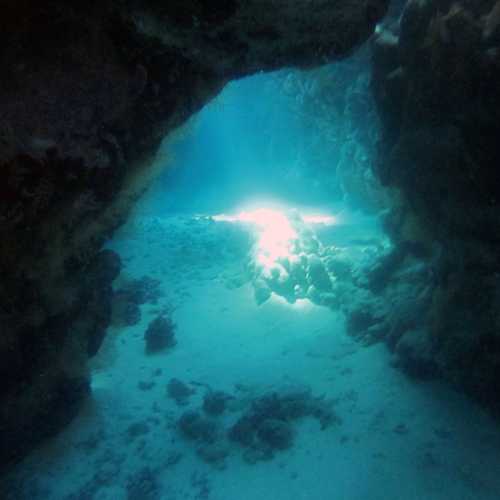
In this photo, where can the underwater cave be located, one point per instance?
(249, 248)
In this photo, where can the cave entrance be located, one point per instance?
(241, 264)
(286, 158)
(244, 354)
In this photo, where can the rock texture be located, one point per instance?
(437, 84)
(88, 91)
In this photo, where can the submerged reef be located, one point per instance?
(295, 268)
(436, 79)
(328, 275)
(259, 426)
(88, 95)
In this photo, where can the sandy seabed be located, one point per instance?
(398, 439)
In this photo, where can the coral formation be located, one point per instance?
(160, 334)
(300, 272)
(265, 425)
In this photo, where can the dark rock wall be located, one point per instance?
(87, 93)
(436, 77)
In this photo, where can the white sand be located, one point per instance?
(446, 448)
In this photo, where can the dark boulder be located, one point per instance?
(160, 334)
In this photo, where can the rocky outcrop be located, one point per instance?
(437, 84)
(44, 353)
(88, 92)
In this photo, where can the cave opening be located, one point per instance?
(251, 247)
(286, 157)
(245, 350)
(269, 326)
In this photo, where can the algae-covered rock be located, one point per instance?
(160, 334)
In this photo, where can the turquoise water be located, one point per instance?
(241, 182)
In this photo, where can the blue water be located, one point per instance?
(261, 144)
(251, 143)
